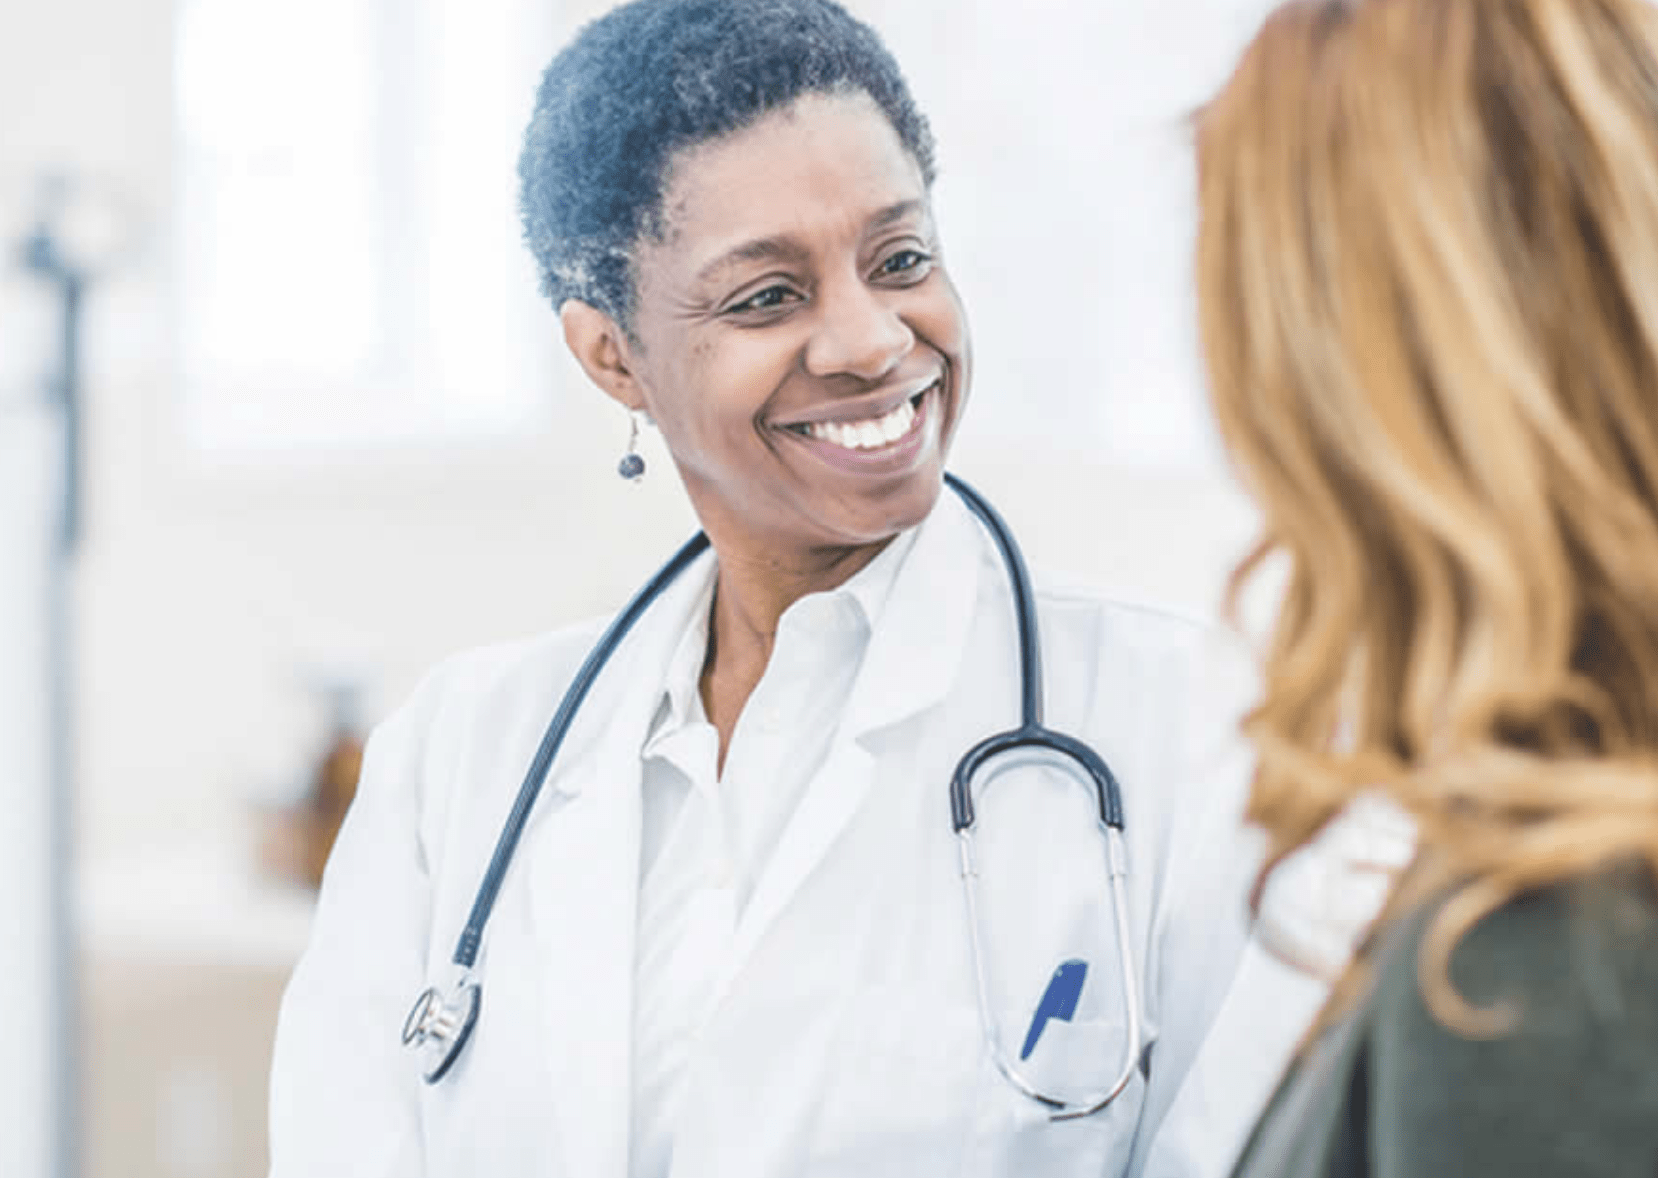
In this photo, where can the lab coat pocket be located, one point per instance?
(902, 1090)
(1013, 1134)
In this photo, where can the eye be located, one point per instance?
(769, 299)
(910, 263)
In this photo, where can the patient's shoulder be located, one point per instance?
(1573, 970)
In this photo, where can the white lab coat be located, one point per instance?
(847, 1041)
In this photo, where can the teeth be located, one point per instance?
(898, 426)
(867, 435)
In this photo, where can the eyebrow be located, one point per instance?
(894, 213)
(761, 249)
(769, 249)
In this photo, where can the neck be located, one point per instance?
(753, 591)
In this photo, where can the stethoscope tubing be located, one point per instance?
(506, 846)
(1031, 733)
(450, 1025)
(1024, 600)
(466, 949)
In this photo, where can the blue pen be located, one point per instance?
(1059, 1000)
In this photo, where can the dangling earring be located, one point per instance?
(632, 465)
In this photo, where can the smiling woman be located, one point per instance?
(801, 348)
(733, 939)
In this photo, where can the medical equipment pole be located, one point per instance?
(43, 256)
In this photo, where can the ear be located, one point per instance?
(603, 350)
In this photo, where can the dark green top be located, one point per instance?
(1570, 1092)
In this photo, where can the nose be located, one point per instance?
(858, 333)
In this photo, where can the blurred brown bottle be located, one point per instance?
(298, 839)
(333, 785)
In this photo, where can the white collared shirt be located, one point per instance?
(707, 835)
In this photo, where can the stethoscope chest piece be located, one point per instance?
(438, 1027)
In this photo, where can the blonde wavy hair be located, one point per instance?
(1428, 297)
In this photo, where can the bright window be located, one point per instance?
(1065, 197)
(350, 269)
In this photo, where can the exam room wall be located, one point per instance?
(205, 593)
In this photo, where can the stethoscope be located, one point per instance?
(440, 1025)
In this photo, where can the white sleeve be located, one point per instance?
(1317, 907)
(1229, 1013)
(1233, 1009)
(1262, 1011)
(344, 1095)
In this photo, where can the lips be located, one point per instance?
(881, 423)
(887, 443)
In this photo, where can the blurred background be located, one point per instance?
(326, 435)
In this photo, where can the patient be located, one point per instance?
(1428, 280)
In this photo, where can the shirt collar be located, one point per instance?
(680, 703)
(872, 585)
(867, 591)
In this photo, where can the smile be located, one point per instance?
(875, 433)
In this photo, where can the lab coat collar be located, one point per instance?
(921, 630)
(866, 593)
(584, 904)
(582, 851)
(912, 661)
(636, 674)
(917, 599)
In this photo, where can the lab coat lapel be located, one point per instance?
(824, 812)
(922, 633)
(583, 875)
(909, 667)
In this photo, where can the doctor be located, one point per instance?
(733, 941)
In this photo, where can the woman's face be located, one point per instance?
(797, 340)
